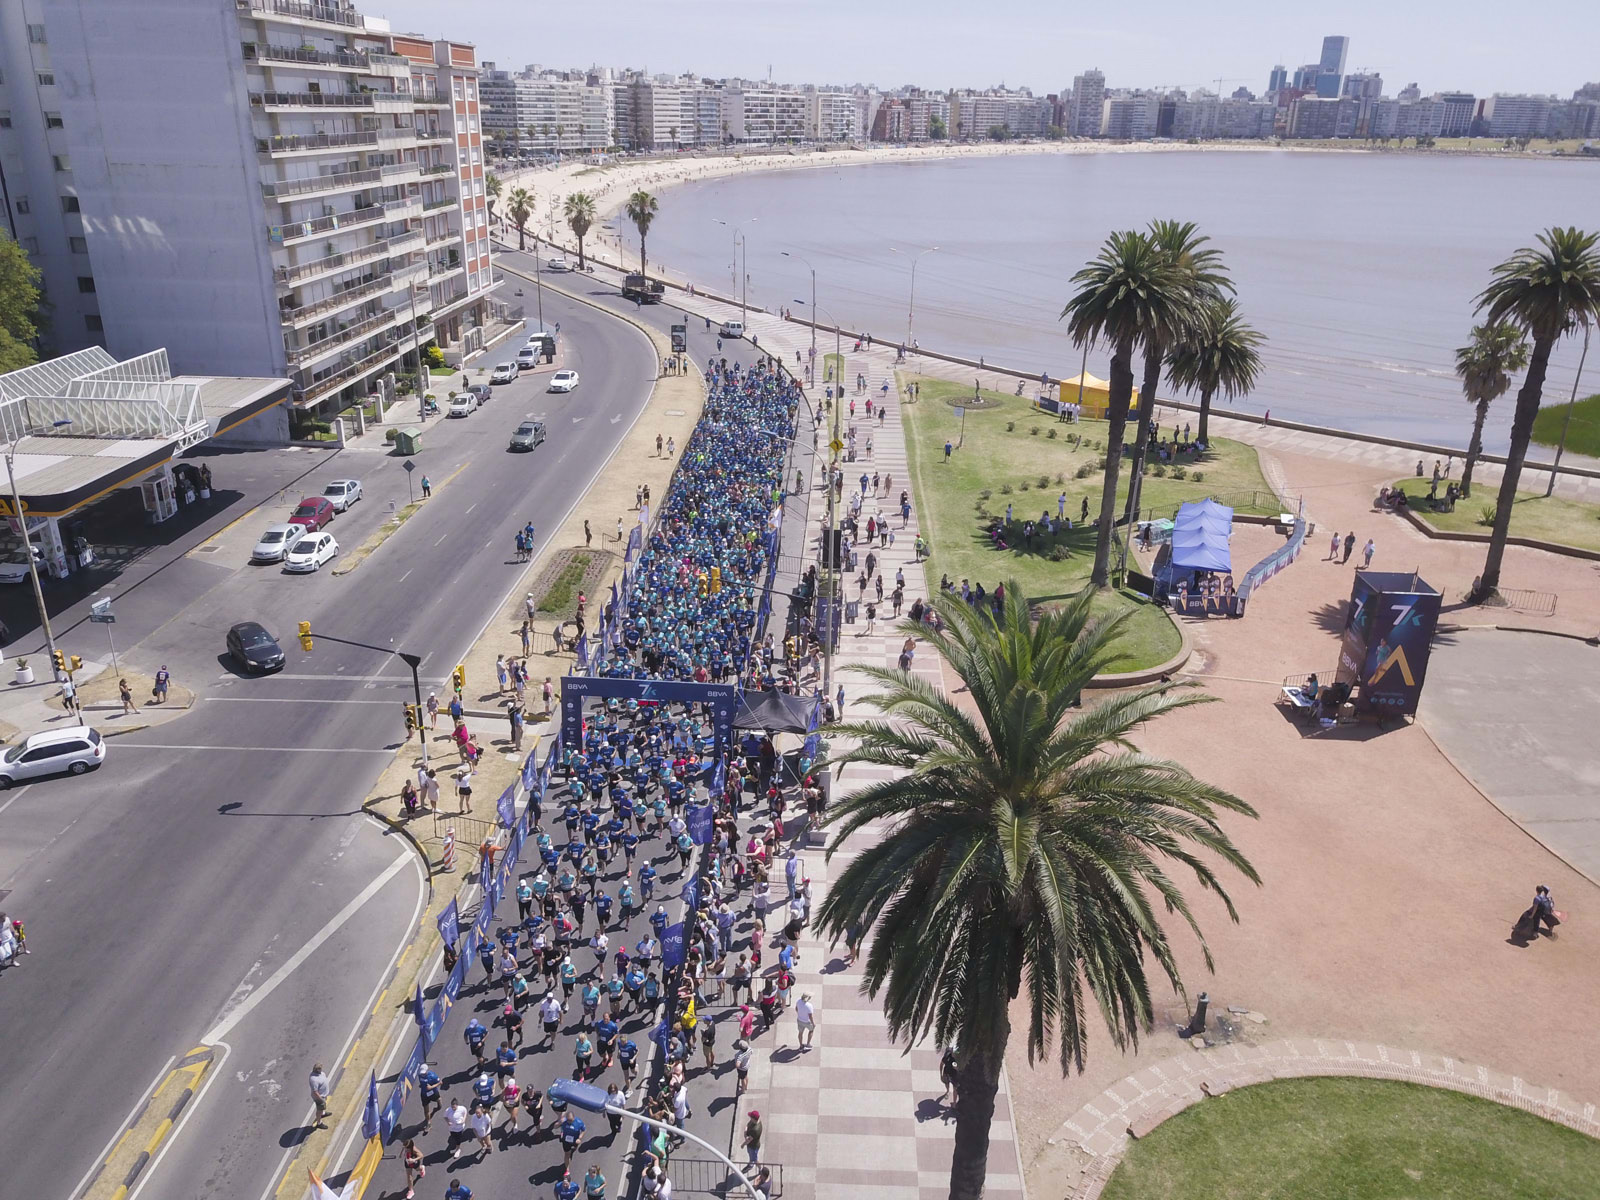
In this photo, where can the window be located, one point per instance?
(22, 205)
(5, 119)
(53, 121)
(78, 245)
(86, 284)
(46, 78)
(36, 34)
(31, 245)
(63, 163)
(458, 93)
(69, 204)
(93, 323)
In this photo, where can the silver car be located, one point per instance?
(75, 749)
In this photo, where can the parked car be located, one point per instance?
(732, 329)
(528, 435)
(310, 552)
(557, 264)
(275, 541)
(342, 493)
(15, 570)
(253, 648)
(563, 381)
(74, 748)
(527, 358)
(504, 373)
(482, 392)
(313, 513)
(464, 405)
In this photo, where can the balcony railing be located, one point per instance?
(335, 381)
(350, 258)
(409, 167)
(379, 281)
(293, 143)
(316, 349)
(439, 169)
(306, 10)
(322, 99)
(433, 205)
(388, 60)
(318, 225)
(436, 135)
(266, 52)
(286, 188)
(432, 100)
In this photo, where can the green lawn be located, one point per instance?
(1355, 1139)
(1555, 519)
(992, 458)
(1583, 435)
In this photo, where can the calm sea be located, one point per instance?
(1360, 269)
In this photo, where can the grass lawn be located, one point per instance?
(1583, 436)
(1356, 1139)
(561, 595)
(1555, 519)
(992, 458)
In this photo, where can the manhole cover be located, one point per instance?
(207, 549)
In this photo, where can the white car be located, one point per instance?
(527, 358)
(75, 748)
(310, 552)
(732, 329)
(504, 373)
(275, 542)
(342, 493)
(15, 570)
(563, 381)
(557, 264)
(464, 405)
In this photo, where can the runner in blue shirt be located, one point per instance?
(566, 1189)
(647, 881)
(605, 1033)
(475, 1034)
(483, 1088)
(625, 898)
(486, 957)
(634, 981)
(571, 1134)
(428, 1086)
(505, 1060)
(457, 1191)
(602, 909)
(658, 921)
(630, 846)
(628, 1058)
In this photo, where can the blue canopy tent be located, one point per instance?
(1200, 538)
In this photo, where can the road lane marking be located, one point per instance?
(283, 700)
(225, 1025)
(442, 539)
(189, 1108)
(403, 578)
(121, 745)
(468, 513)
(152, 1121)
(14, 797)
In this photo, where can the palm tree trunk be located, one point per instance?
(1205, 417)
(522, 238)
(1528, 398)
(580, 252)
(1152, 380)
(641, 252)
(1121, 392)
(1474, 448)
(977, 1083)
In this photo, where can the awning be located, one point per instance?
(1200, 537)
(775, 712)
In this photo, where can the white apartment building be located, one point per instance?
(547, 112)
(832, 116)
(764, 114)
(1130, 117)
(1516, 116)
(1459, 110)
(268, 187)
(1087, 109)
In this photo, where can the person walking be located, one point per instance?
(1333, 548)
(517, 723)
(751, 1141)
(806, 1019)
(129, 708)
(320, 1088)
(1349, 547)
(619, 529)
(411, 1159)
(433, 710)
(1367, 552)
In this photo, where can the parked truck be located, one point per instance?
(642, 289)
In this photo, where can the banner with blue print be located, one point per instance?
(701, 823)
(449, 922)
(672, 946)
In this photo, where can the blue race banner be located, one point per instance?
(506, 807)
(661, 1035)
(701, 821)
(436, 1015)
(449, 923)
(672, 946)
(691, 892)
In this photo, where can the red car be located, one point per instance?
(314, 512)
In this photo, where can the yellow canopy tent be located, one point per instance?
(1096, 395)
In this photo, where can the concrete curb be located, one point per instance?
(1454, 535)
(1150, 674)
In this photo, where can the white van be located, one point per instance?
(527, 358)
(733, 329)
(75, 748)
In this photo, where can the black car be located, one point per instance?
(253, 648)
(528, 435)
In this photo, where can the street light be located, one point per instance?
(742, 249)
(829, 545)
(27, 542)
(591, 1099)
(807, 261)
(911, 306)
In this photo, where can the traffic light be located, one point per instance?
(716, 580)
(77, 663)
(411, 720)
(59, 659)
(305, 635)
(459, 677)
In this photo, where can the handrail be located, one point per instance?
(319, 183)
(314, 99)
(344, 220)
(285, 143)
(348, 258)
(307, 10)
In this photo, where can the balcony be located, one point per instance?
(391, 61)
(299, 101)
(329, 384)
(401, 172)
(440, 169)
(395, 137)
(293, 188)
(403, 209)
(435, 205)
(312, 351)
(312, 143)
(300, 230)
(436, 135)
(305, 272)
(431, 100)
(304, 10)
(381, 280)
(444, 237)
(353, 60)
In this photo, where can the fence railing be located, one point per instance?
(1276, 561)
(708, 1177)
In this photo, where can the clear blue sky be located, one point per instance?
(1472, 45)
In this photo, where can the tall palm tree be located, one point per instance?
(1130, 293)
(1027, 846)
(493, 186)
(1218, 355)
(1485, 366)
(1547, 291)
(641, 210)
(519, 208)
(1182, 242)
(579, 210)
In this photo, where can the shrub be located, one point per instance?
(1059, 554)
(1486, 515)
(1024, 485)
(1159, 470)
(1052, 432)
(978, 504)
(1199, 476)
(1061, 477)
(1034, 431)
(985, 494)
(1044, 482)
(1005, 489)
(1180, 472)
(1010, 426)
(1084, 471)
(1103, 462)
(391, 435)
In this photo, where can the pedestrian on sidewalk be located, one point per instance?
(1367, 552)
(806, 1019)
(430, 790)
(517, 722)
(1333, 548)
(129, 708)
(751, 1141)
(319, 1093)
(427, 487)
(433, 710)
(1349, 546)
(658, 445)
(619, 529)
(588, 536)
(163, 679)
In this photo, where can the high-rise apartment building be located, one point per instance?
(832, 116)
(1335, 50)
(1508, 116)
(764, 114)
(1363, 85)
(1130, 117)
(1277, 80)
(270, 187)
(1324, 117)
(1088, 103)
(1459, 110)
(548, 112)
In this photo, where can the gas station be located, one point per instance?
(79, 427)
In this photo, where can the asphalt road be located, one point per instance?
(215, 876)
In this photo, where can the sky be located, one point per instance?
(1481, 46)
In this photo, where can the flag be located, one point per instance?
(419, 1005)
(369, 1118)
(700, 823)
(672, 947)
(508, 807)
(450, 923)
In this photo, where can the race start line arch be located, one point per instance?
(721, 698)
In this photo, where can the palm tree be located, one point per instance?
(1485, 366)
(674, 132)
(1218, 355)
(493, 186)
(1185, 245)
(579, 210)
(641, 210)
(1026, 846)
(1547, 293)
(519, 209)
(1130, 293)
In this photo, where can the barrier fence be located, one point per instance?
(1276, 561)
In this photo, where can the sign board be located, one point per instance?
(836, 446)
(409, 466)
(960, 410)
(100, 612)
(1388, 635)
(680, 339)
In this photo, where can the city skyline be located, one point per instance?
(1473, 51)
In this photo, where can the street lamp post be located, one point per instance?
(911, 305)
(591, 1099)
(742, 265)
(1566, 421)
(813, 270)
(27, 543)
(830, 552)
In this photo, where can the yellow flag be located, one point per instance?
(689, 1019)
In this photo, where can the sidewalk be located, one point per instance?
(32, 707)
